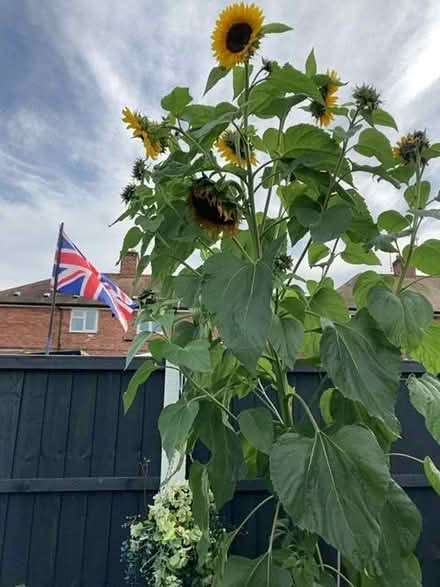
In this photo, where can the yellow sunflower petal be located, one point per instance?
(237, 33)
(130, 120)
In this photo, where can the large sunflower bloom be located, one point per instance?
(212, 210)
(329, 91)
(142, 128)
(237, 34)
(233, 149)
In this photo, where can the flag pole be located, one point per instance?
(54, 291)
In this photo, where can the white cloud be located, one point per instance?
(67, 157)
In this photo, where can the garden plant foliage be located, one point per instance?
(208, 184)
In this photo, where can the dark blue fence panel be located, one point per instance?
(70, 470)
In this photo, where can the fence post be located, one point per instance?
(171, 394)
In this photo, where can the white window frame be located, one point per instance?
(83, 312)
(150, 327)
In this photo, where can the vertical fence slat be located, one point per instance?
(11, 395)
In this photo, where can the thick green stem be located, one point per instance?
(271, 539)
(250, 177)
(282, 386)
(415, 226)
(275, 169)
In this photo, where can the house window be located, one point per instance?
(148, 326)
(84, 320)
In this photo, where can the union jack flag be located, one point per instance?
(77, 276)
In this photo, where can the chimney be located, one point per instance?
(129, 264)
(397, 268)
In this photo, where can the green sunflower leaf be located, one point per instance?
(245, 572)
(355, 254)
(392, 221)
(294, 81)
(275, 27)
(226, 454)
(195, 355)
(257, 427)
(131, 240)
(428, 351)
(286, 337)
(380, 117)
(402, 317)
(343, 476)
(363, 365)
(432, 474)
(426, 257)
(373, 143)
(176, 101)
(328, 303)
(365, 282)
(175, 423)
(140, 377)
(311, 67)
(411, 195)
(424, 393)
(240, 294)
(332, 223)
(316, 252)
(215, 75)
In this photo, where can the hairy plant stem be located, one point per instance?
(208, 394)
(242, 249)
(250, 178)
(282, 386)
(275, 170)
(340, 575)
(271, 539)
(405, 456)
(415, 226)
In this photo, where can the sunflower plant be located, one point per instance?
(241, 199)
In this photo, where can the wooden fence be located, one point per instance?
(70, 471)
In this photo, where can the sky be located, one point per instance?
(69, 67)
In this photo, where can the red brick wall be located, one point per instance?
(24, 329)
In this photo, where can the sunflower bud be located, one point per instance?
(367, 98)
(212, 209)
(138, 172)
(266, 65)
(410, 148)
(128, 193)
(283, 263)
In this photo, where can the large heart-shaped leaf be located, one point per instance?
(328, 303)
(289, 79)
(402, 317)
(363, 365)
(332, 223)
(335, 486)
(240, 294)
(313, 146)
(424, 393)
(373, 143)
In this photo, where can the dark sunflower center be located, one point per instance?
(210, 210)
(238, 37)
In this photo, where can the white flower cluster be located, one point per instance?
(171, 531)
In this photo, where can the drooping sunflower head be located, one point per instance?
(233, 149)
(237, 34)
(151, 133)
(410, 148)
(138, 171)
(367, 98)
(128, 193)
(321, 112)
(212, 209)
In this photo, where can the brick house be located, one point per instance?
(80, 324)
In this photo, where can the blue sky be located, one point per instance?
(69, 67)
